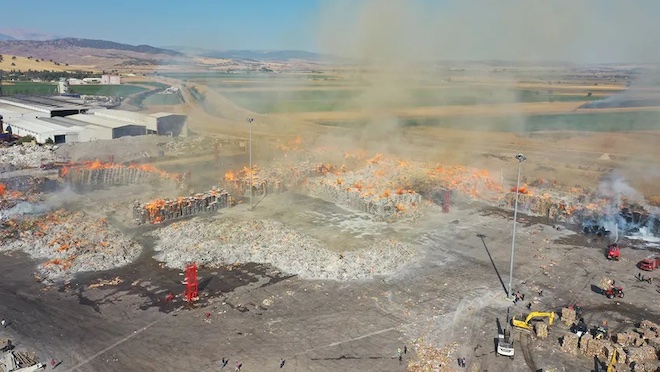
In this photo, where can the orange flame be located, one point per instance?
(3, 189)
(230, 176)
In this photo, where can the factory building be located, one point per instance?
(110, 79)
(161, 123)
(43, 130)
(112, 128)
(63, 120)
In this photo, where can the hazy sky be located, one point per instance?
(582, 31)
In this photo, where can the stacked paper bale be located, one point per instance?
(626, 338)
(641, 354)
(568, 316)
(569, 343)
(541, 330)
(653, 366)
(605, 283)
(584, 345)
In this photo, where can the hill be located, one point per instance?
(24, 64)
(100, 54)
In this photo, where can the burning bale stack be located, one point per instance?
(98, 173)
(162, 210)
(71, 242)
(382, 189)
(275, 179)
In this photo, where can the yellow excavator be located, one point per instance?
(610, 367)
(526, 324)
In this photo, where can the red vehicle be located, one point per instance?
(650, 263)
(614, 292)
(613, 252)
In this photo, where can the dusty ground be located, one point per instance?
(453, 294)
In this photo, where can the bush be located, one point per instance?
(26, 139)
(49, 141)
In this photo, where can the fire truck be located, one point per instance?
(650, 263)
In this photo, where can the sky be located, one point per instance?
(561, 30)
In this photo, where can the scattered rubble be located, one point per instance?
(28, 155)
(216, 242)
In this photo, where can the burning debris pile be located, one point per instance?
(274, 179)
(14, 202)
(390, 189)
(601, 212)
(72, 243)
(227, 241)
(161, 210)
(99, 173)
(385, 188)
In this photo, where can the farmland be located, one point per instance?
(107, 90)
(28, 88)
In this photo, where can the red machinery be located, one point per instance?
(613, 252)
(192, 291)
(614, 292)
(650, 263)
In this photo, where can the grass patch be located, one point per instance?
(154, 84)
(592, 122)
(29, 88)
(163, 99)
(107, 90)
(345, 99)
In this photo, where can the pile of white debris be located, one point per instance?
(218, 242)
(27, 155)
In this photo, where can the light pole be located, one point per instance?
(520, 158)
(250, 120)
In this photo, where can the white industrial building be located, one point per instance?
(110, 79)
(43, 130)
(63, 120)
(161, 123)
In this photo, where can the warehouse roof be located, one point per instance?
(164, 114)
(12, 111)
(42, 104)
(134, 117)
(39, 126)
(102, 121)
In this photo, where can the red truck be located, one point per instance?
(650, 263)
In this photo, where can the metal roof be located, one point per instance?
(42, 104)
(135, 117)
(102, 121)
(164, 114)
(38, 126)
(9, 110)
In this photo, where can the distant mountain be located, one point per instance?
(87, 52)
(19, 34)
(265, 55)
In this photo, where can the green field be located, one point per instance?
(162, 99)
(106, 90)
(28, 88)
(345, 99)
(154, 84)
(592, 122)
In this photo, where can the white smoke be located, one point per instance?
(24, 208)
(616, 188)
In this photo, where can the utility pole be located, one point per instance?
(520, 158)
(250, 120)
